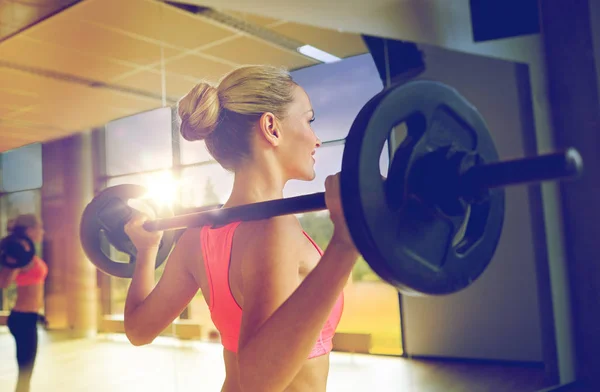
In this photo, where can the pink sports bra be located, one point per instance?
(36, 274)
(225, 312)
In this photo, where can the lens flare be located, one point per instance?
(162, 189)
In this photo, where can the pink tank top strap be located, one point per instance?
(216, 247)
(225, 312)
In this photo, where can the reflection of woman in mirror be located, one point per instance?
(24, 316)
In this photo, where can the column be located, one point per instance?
(71, 298)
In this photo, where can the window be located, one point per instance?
(139, 151)
(21, 168)
(371, 306)
(205, 185)
(139, 143)
(193, 152)
(120, 286)
(160, 186)
(338, 91)
(328, 161)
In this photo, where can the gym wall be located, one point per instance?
(497, 317)
(595, 17)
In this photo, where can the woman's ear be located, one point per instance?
(270, 128)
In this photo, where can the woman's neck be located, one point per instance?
(255, 183)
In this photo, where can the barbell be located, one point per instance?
(430, 228)
(16, 249)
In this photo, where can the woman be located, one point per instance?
(275, 298)
(24, 316)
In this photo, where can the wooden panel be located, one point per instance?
(94, 39)
(9, 117)
(247, 50)
(187, 330)
(25, 83)
(15, 135)
(14, 129)
(26, 51)
(152, 20)
(335, 42)
(118, 100)
(150, 81)
(14, 132)
(6, 110)
(108, 325)
(72, 114)
(77, 107)
(8, 143)
(352, 342)
(28, 89)
(119, 42)
(198, 67)
(12, 98)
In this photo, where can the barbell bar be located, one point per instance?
(531, 170)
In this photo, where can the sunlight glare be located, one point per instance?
(162, 189)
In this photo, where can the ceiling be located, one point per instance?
(98, 60)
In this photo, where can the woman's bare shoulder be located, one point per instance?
(280, 231)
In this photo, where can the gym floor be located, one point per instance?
(110, 363)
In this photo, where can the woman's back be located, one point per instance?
(221, 278)
(30, 286)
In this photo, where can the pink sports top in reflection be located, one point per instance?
(225, 312)
(36, 274)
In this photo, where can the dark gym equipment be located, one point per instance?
(430, 228)
(16, 249)
(106, 216)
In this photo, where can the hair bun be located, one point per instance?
(199, 112)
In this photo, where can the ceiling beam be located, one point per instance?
(82, 81)
(243, 26)
(18, 16)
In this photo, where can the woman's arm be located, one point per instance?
(281, 320)
(6, 276)
(149, 309)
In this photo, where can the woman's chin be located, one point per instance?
(311, 175)
(306, 177)
(304, 174)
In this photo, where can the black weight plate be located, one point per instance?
(105, 216)
(16, 250)
(408, 243)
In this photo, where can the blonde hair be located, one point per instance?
(224, 115)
